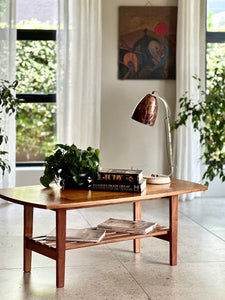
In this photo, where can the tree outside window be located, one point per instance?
(36, 73)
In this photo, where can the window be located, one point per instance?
(215, 61)
(36, 73)
(215, 36)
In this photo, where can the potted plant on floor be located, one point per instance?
(9, 104)
(71, 167)
(208, 118)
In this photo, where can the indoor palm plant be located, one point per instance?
(208, 118)
(71, 167)
(8, 105)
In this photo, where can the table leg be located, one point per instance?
(60, 246)
(137, 217)
(173, 207)
(28, 231)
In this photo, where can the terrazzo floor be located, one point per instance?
(113, 271)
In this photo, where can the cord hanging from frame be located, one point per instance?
(148, 3)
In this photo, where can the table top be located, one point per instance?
(56, 198)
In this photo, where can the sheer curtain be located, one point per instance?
(187, 147)
(79, 72)
(7, 71)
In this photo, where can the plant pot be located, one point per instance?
(82, 184)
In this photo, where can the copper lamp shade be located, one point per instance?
(146, 113)
(146, 110)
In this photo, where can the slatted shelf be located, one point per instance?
(110, 237)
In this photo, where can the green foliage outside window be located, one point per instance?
(35, 62)
(36, 73)
(35, 131)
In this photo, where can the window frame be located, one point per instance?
(36, 35)
(215, 37)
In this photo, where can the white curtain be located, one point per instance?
(7, 71)
(79, 72)
(187, 146)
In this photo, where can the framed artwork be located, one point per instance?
(147, 42)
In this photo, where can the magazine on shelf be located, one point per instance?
(128, 226)
(80, 235)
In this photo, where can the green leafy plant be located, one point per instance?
(71, 167)
(208, 118)
(8, 105)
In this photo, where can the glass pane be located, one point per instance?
(215, 59)
(215, 63)
(36, 66)
(36, 131)
(215, 15)
(36, 73)
(37, 14)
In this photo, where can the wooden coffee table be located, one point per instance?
(62, 200)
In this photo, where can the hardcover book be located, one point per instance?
(80, 235)
(101, 185)
(128, 226)
(120, 175)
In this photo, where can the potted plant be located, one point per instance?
(71, 167)
(208, 118)
(9, 104)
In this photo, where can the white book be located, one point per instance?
(80, 235)
(137, 227)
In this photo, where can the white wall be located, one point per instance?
(28, 175)
(124, 142)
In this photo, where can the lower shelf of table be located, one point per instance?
(48, 248)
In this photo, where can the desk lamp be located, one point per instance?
(146, 113)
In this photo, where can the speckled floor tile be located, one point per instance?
(113, 271)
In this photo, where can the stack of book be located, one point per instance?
(127, 226)
(120, 180)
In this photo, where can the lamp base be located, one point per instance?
(157, 179)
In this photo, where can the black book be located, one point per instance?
(119, 187)
(120, 176)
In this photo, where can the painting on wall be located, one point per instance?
(147, 42)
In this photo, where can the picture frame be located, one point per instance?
(147, 42)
